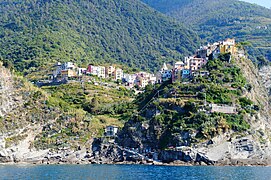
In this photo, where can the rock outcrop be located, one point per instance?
(10, 99)
(229, 147)
(24, 116)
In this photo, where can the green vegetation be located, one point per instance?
(166, 6)
(58, 116)
(181, 107)
(94, 99)
(14, 140)
(87, 110)
(225, 19)
(34, 33)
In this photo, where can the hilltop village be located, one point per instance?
(181, 70)
(203, 119)
(196, 108)
(118, 82)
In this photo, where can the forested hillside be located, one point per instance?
(35, 32)
(219, 19)
(166, 6)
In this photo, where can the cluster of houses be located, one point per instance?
(190, 67)
(70, 70)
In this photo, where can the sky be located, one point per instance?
(266, 3)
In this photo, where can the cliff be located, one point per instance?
(179, 121)
(27, 118)
(54, 124)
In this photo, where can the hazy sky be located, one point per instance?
(266, 3)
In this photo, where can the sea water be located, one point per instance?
(131, 172)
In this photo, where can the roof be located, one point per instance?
(112, 126)
(179, 62)
(165, 67)
(223, 109)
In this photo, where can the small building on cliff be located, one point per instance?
(111, 131)
(223, 109)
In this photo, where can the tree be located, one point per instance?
(224, 57)
(92, 106)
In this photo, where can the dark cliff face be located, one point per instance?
(179, 118)
(136, 135)
(146, 131)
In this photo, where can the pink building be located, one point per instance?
(197, 63)
(91, 69)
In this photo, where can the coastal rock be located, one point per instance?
(200, 158)
(4, 157)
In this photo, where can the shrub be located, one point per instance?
(244, 102)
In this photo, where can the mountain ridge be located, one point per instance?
(242, 20)
(129, 32)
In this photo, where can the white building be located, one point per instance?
(223, 109)
(129, 79)
(81, 71)
(68, 65)
(101, 71)
(94, 70)
(179, 65)
(153, 79)
(118, 74)
(111, 131)
(229, 42)
(98, 71)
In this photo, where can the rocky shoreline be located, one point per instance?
(237, 163)
(114, 155)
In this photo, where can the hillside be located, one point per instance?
(118, 31)
(186, 115)
(165, 6)
(218, 19)
(223, 117)
(34, 121)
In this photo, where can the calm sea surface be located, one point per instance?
(138, 172)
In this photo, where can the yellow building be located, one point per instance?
(228, 46)
(68, 73)
(187, 62)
